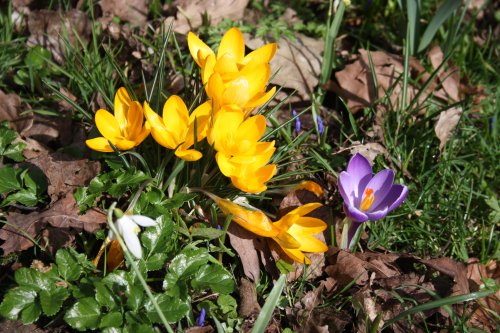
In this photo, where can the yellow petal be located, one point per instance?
(146, 129)
(215, 87)
(237, 92)
(260, 98)
(124, 144)
(252, 220)
(153, 118)
(176, 118)
(226, 166)
(312, 244)
(297, 256)
(121, 105)
(286, 240)
(226, 64)
(99, 144)
(310, 186)
(197, 48)
(107, 125)
(189, 155)
(208, 68)
(308, 225)
(135, 119)
(257, 77)
(232, 44)
(252, 128)
(305, 209)
(263, 54)
(224, 130)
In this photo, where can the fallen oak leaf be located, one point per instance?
(10, 110)
(21, 229)
(446, 124)
(242, 241)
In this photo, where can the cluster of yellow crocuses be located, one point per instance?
(235, 85)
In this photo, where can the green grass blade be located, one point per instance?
(268, 308)
(438, 303)
(413, 10)
(443, 13)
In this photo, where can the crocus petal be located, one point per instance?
(232, 43)
(135, 119)
(381, 183)
(310, 225)
(252, 128)
(354, 214)
(305, 209)
(312, 244)
(107, 125)
(360, 172)
(121, 105)
(226, 64)
(196, 47)
(297, 255)
(143, 221)
(189, 155)
(263, 54)
(260, 98)
(123, 144)
(252, 220)
(347, 187)
(99, 144)
(237, 92)
(176, 118)
(377, 214)
(286, 240)
(257, 77)
(310, 186)
(394, 198)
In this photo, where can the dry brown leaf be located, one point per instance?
(446, 124)
(189, 15)
(450, 78)
(369, 150)
(356, 86)
(453, 269)
(297, 64)
(248, 305)
(132, 11)
(48, 27)
(345, 267)
(200, 329)
(10, 110)
(64, 174)
(63, 214)
(243, 242)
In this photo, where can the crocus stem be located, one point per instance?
(350, 231)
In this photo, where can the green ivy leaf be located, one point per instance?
(157, 239)
(68, 265)
(52, 300)
(228, 306)
(214, 277)
(14, 151)
(31, 313)
(8, 179)
(156, 261)
(15, 301)
(24, 197)
(105, 296)
(135, 297)
(178, 200)
(112, 319)
(143, 328)
(33, 279)
(84, 314)
(188, 262)
(173, 308)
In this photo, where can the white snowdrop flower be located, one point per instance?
(128, 228)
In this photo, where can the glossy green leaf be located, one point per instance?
(84, 314)
(206, 233)
(157, 239)
(172, 307)
(68, 265)
(33, 279)
(112, 319)
(31, 313)
(214, 277)
(15, 301)
(105, 296)
(52, 300)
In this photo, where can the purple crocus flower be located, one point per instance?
(367, 197)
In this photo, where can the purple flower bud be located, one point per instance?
(321, 127)
(201, 319)
(367, 197)
(297, 122)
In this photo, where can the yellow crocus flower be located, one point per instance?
(232, 79)
(297, 229)
(240, 155)
(125, 129)
(175, 129)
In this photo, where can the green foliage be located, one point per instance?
(21, 185)
(9, 148)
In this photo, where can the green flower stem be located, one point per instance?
(346, 225)
(135, 268)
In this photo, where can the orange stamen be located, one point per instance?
(368, 200)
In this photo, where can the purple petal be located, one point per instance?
(354, 214)
(360, 172)
(397, 194)
(378, 214)
(346, 187)
(381, 184)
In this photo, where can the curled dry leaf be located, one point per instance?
(189, 15)
(369, 150)
(62, 214)
(248, 305)
(133, 11)
(450, 77)
(11, 111)
(446, 124)
(65, 174)
(297, 63)
(48, 27)
(243, 242)
(355, 82)
(344, 268)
